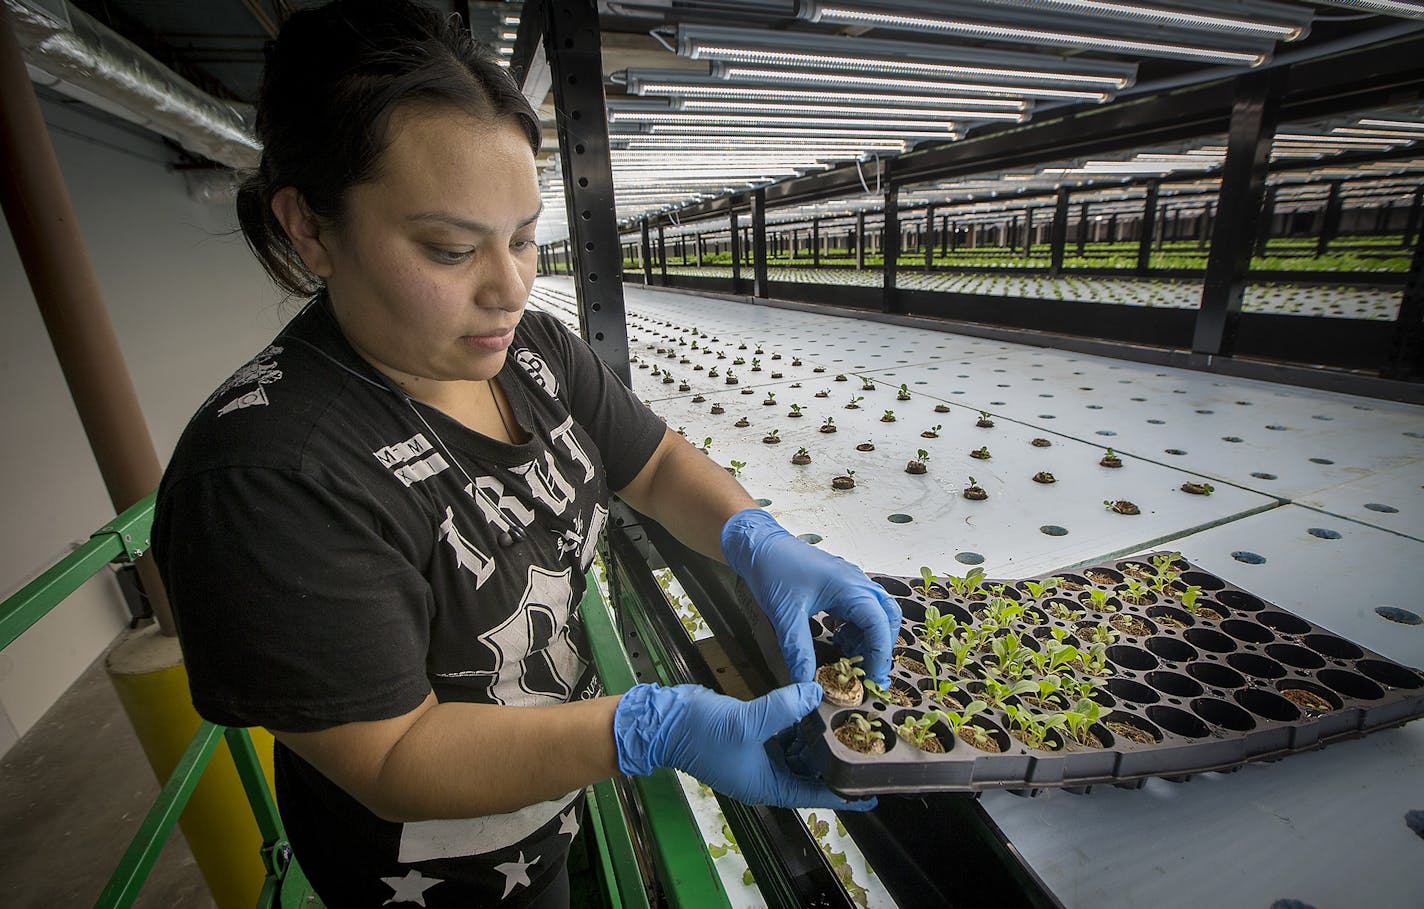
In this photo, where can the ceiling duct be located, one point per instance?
(72, 53)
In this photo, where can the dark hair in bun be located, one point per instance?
(333, 77)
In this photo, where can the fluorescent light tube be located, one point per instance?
(1392, 124)
(866, 111)
(1011, 91)
(1293, 23)
(1404, 10)
(773, 122)
(787, 132)
(994, 32)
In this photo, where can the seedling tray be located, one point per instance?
(1203, 693)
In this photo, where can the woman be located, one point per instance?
(375, 533)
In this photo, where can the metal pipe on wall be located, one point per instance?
(46, 232)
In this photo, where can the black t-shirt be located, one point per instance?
(332, 550)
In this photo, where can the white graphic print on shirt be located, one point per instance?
(546, 483)
(412, 460)
(564, 435)
(503, 511)
(261, 369)
(467, 556)
(534, 364)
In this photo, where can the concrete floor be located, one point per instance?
(73, 791)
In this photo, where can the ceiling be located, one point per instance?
(698, 109)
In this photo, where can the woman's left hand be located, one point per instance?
(793, 580)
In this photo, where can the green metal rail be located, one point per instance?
(683, 864)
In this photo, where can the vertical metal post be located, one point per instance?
(698, 243)
(815, 242)
(572, 43)
(890, 246)
(647, 249)
(1330, 219)
(662, 254)
(944, 235)
(1149, 227)
(759, 280)
(860, 240)
(1011, 233)
(929, 240)
(1112, 227)
(1268, 215)
(1058, 235)
(1082, 227)
(735, 243)
(1411, 226)
(947, 237)
(1406, 355)
(1243, 184)
(66, 289)
(1028, 232)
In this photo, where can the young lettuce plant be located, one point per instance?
(997, 692)
(928, 577)
(1033, 731)
(938, 627)
(966, 585)
(917, 730)
(958, 720)
(1080, 719)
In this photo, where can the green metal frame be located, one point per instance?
(683, 865)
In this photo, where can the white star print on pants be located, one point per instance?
(516, 873)
(411, 888)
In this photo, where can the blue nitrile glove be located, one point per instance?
(722, 742)
(793, 580)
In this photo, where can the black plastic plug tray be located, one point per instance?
(1236, 679)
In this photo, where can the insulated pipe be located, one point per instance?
(51, 248)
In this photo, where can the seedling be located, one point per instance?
(823, 393)
(1036, 590)
(737, 468)
(1189, 598)
(772, 437)
(932, 432)
(859, 733)
(795, 410)
(845, 671)
(889, 417)
(1100, 602)
(756, 365)
(904, 394)
(958, 720)
(981, 453)
(927, 575)
(1136, 591)
(968, 584)
(974, 490)
(997, 692)
(985, 420)
(1033, 731)
(938, 627)
(770, 398)
(854, 402)
(1081, 718)
(707, 445)
(917, 730)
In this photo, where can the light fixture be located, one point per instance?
(696, 129)
(807, 49)
(1403, 135)
(1392, 124)
(906, 20)
(759, 74)
(1404, 9)
(863, 111)
(774, 122)
(734, 92)
(1271, 21)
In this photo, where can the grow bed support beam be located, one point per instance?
(1330, 220)
(890, 244)
(1243, 184)
(662, 252)
(860, 241)
(1058, 236)
(647, 248)
(573, 45)
(1406, 354)
(759, 279)
(735, 244)
(1148, 227)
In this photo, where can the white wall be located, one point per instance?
(189, 304)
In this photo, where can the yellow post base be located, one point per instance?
(147, 671)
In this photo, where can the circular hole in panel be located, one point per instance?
(1178, 722)
(1381, 508)
(1174, 451)
(1309, 697)
(1276, 427)
(1216, 675)
(1283, 622)
(1053, 530)
(1203, 580)
(1331, 646)
(1129, 690)
(1254, 664)
(969, 558)
(763, 502)
(1231, 438)
(1223, 714)
(1324, 533)
(1350, 685)
(1240, 599)
(1250, 558)
(1263, 476)
(1172, 650)
(1209, 639)
(1267, 704)
(893, 586)
(812, 538)
(900, 519)
(1175, 684)
(1321, 461)
(1395, 614)
(1295, 655)
(1250, 632)
(1129, 657)
(1390, 674)
(1106, 432)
